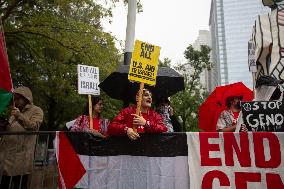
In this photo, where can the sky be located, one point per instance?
(172, 25)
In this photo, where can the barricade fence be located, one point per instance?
(44, 172)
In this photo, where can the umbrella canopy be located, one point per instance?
(210, 110)
(117, 85)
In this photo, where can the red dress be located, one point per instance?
(124, 119)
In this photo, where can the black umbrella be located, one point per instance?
(117, 85)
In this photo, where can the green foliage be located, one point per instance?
(187, 102)
(165, 63)
(46, 39)
(111, 106)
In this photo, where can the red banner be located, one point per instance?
(236, 160)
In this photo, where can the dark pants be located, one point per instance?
(9, 182)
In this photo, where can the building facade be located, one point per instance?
(230, 26)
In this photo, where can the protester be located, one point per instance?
(228, 118)
(267, 88)
(167, 113)
(100, 125)
(149, 121)
(17, 151)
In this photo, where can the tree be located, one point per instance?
(46, 40)
(187, 102)
(165, 63)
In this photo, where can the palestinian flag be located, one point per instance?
(5, 76)
(202, 160)
(153, 161)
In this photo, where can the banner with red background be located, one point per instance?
(236, 160)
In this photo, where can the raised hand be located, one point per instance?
(138, 120)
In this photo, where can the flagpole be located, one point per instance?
(130, 35)
(130, 31)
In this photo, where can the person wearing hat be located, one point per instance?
(17, 151)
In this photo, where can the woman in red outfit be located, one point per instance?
(149, 121)
(100, 124)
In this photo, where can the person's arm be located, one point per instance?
(155, 124)
(118, 125)
(228, 129)
(29, 123)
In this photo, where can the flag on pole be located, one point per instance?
(5, 76)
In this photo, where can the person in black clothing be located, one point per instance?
(163, 106)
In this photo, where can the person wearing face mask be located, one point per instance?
(228, 118)
(100, 125)
(148, 121)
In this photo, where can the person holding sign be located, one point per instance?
(148, 121)
(100, 125)
(267, 88)
(228, 118)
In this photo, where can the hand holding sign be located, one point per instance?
(138, 120)
(143, 68)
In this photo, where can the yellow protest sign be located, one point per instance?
(144, 63)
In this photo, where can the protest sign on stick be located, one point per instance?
(88, 81)
(143, 68)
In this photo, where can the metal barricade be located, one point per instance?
(43, 175)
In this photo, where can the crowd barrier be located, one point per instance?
(44, 173)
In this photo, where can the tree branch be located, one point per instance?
(9, 9)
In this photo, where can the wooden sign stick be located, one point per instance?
(90, 111)
(140, 94)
